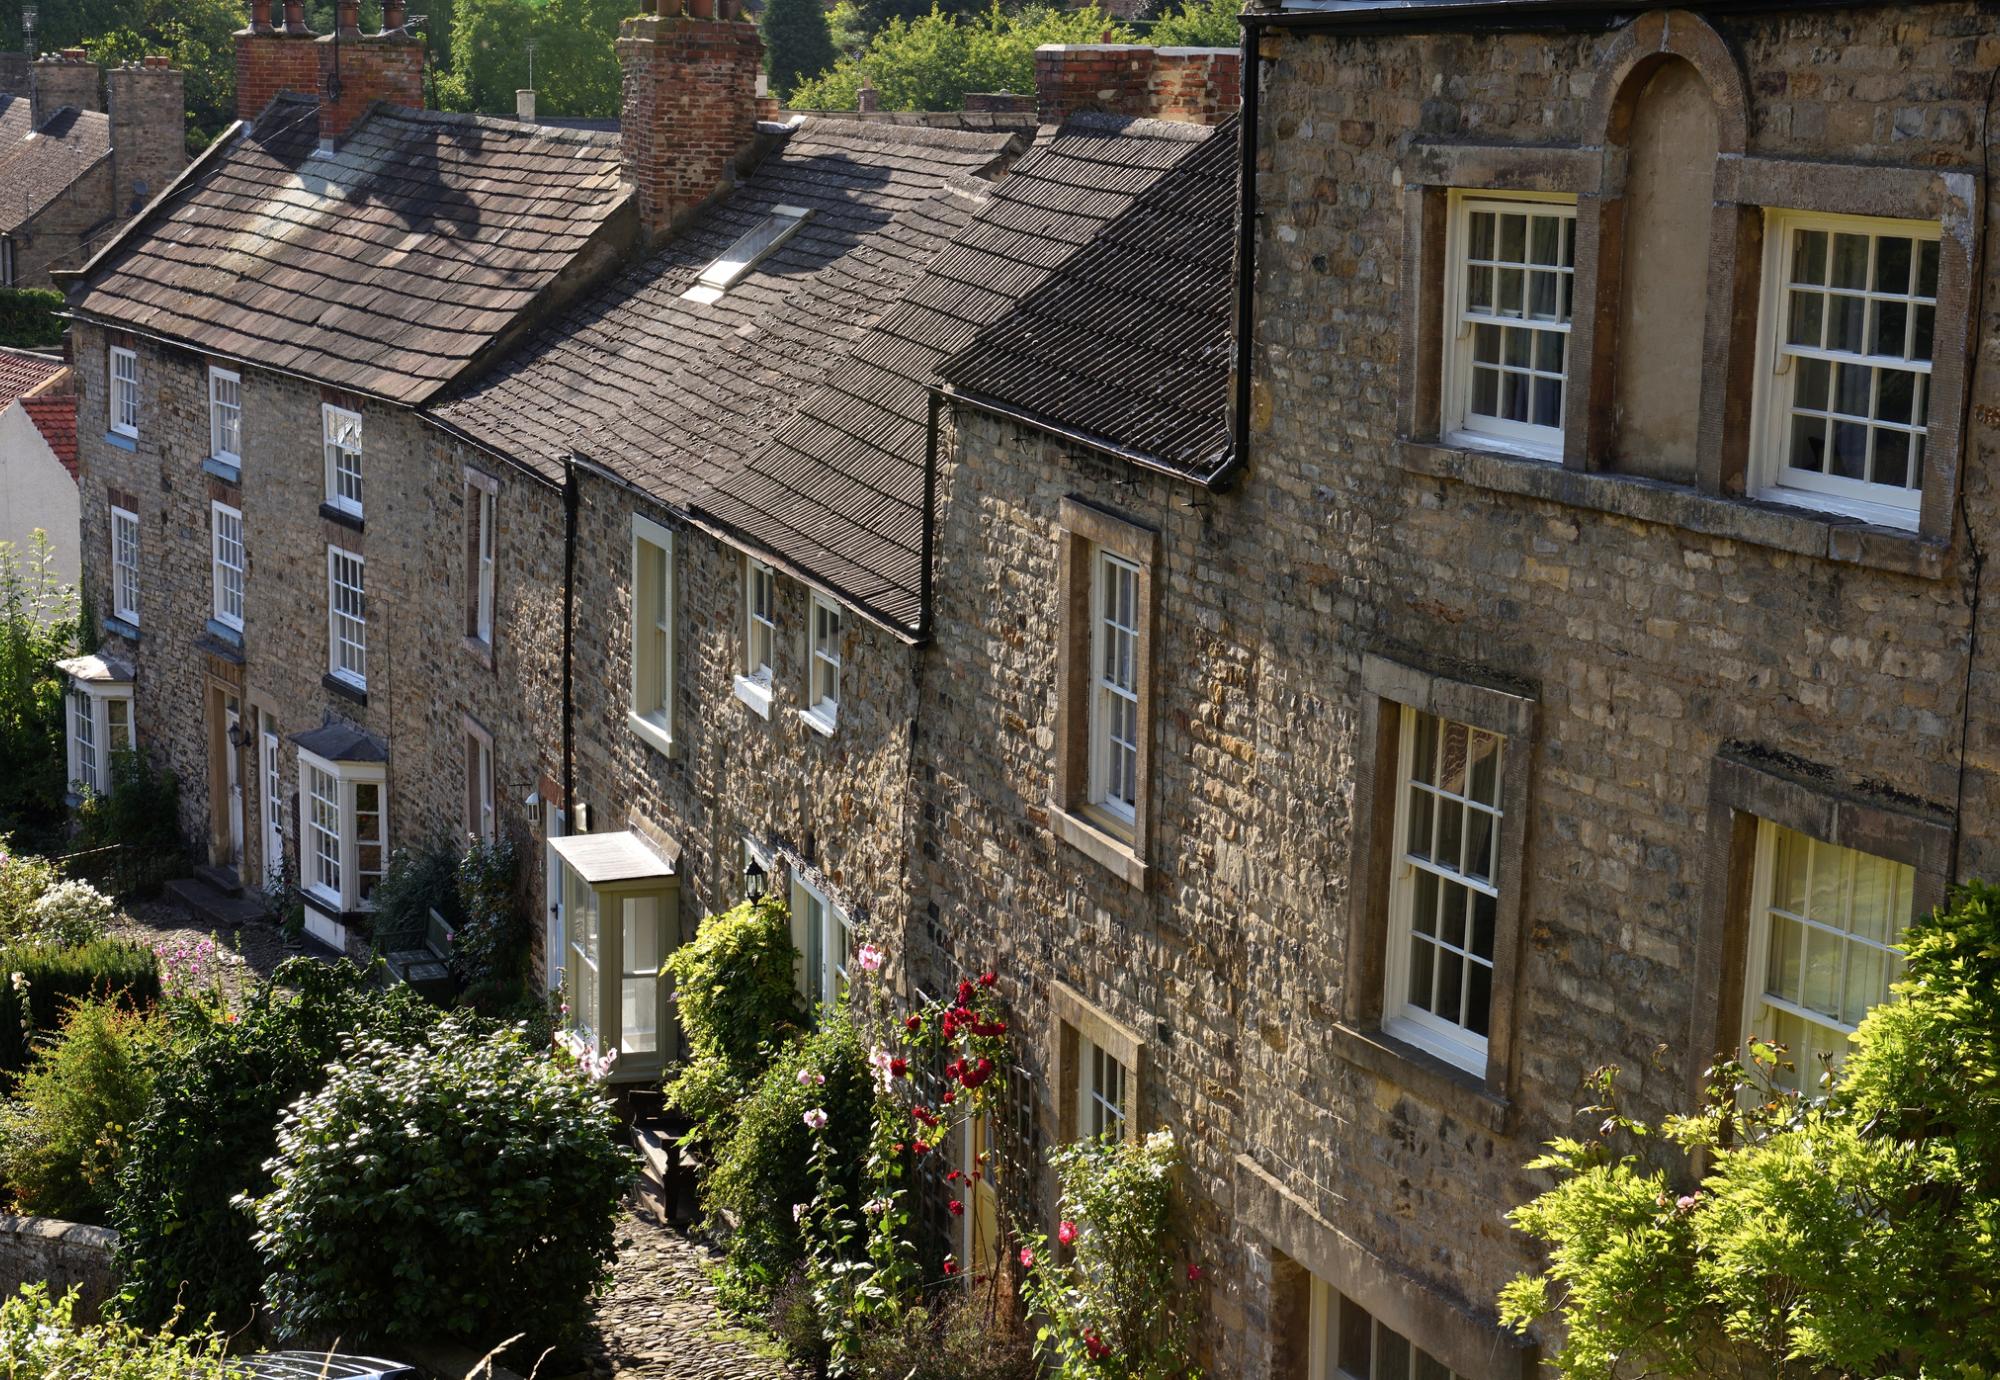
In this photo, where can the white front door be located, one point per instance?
(558, 935)
(274, 805)
(232, 759)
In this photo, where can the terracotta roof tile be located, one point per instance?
(22, 371)
(384, 268)
(54, 415)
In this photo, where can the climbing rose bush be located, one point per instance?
(461, 1185)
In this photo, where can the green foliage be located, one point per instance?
(69, 1125)
(738, 1005)
(879, 14)
(1199, 24)
(37, 627)
(66, 915)
(848, 27)
(797, 41)
(931, 61)
(212, 1123)
(763, 1169)
(130, 839)
(953, 1335)
(48, 978)
(196, 34)
(461, 1186)
(419, 879)
(1856, 1234)
(24, 880)
(40, 1340)
(489, 949)
(576, 66)
(1124, 1303)
(28, 319)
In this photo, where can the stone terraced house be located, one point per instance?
(1362, 610)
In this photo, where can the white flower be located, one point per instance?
(879, 1059)
(798, 1211)
(816, 1118)
(870, 958)
(875, 1207)
(20, 982)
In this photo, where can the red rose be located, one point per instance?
(1194, 1273)
(964, 991)
(953, 1177)
(950, 1266)
(898, 1067)
(1066, 1233)
(918, 1147)
(914, 1023)
(948, 1096)
(988, 979)
(957, 1208)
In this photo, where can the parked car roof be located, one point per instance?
(322, 1365)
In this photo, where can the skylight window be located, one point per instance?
(746, 253)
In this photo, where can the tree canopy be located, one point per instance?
(797, 41)
(1851, 1234)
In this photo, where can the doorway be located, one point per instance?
(271, 797)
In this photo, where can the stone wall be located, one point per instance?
(62, 1255)
(54, 237)
(148, 108)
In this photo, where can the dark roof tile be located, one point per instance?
(38, 167)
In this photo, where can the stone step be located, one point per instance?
(214, 907)
(665, 1189)
(223, 879)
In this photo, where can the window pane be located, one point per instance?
(1809, 256)
(1356, 1337)
(1850, 261)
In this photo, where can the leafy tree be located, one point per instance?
(37, 626)
(931, 62)
(196, 34)
(1853, 1234)
(1200, 24)
(575, 66)
(797, 41)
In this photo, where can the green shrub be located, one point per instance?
(28, 319)
(130, 840)
(48, 978)
(764, 1168)
(1123, 1304)
(69, 1125)
(734, 990)
(461, 1186)
(956, 1335)
(40, 1340)
(38, 625)
(212, 1123)
(419, 879)
(489, 949)
(69, 914)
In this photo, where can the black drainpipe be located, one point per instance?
(569, 641)
(1246, 258)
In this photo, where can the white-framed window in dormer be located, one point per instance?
(343, 458)
(760, 635)
(1510, 287)
(1850, 318)
(750, 248)
(482, 498)
(822, 709)
(225, 415)
(125, 566)
(1114, 688)
(124, 397)
(226, 561)
(346, 617)
(100, 727)
(654, 608)
(344, 815)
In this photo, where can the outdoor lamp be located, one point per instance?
(753, 879)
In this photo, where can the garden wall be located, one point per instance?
(60, 1254)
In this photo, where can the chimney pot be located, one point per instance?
(524, 104)
(260, 16)
(295, 17)
(670, 9)
(395, 15)
(347, 18)
(701, 9)
(74, 55)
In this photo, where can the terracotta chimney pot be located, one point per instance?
(260, 16)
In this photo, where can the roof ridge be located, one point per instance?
(504, 124)
(1101, 122)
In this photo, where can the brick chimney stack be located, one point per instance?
(68, 78)
(271, 59)
(147, 104)
(1199, 85)
(690, 104)
(356, 70)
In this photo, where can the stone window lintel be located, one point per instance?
(1077, 1019)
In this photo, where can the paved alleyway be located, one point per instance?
(661, 1321)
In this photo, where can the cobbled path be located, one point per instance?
(661, 1321)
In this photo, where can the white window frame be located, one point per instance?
(90, 719)
(824, 625)
(341, 475)
(655, 611)
(481, 816)
(1461, 425)
(125, 565)
(1324, 1359)
(122, 400)
(830, 940)
(1449, 1040)
(1103, 1090)
(750, 248)
(355, 871)
(1108, 750)
(1759, 1000)
(482, 510)
(1779, 372)
(227, 574)
(760, 636)
(347, 628)
(225, 415)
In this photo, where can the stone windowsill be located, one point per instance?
(1823, 536)
(118, 627)
(820, 723)
(755, 693)
(481, 649)
(346, 689)
(112, 438)
(341, 517)
(1099, 845)
(228, 471)
(1423, 1073)
(650, 733)
(222, 632)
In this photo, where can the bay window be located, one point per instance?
(621, 919)
(344, 813)
(98, 718)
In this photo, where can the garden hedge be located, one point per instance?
(55, 977)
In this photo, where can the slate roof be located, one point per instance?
(674, 394)
(23, 371)
(839, 491)
(1128, 343)
(54, 415)
(37, 166)
(385, 268)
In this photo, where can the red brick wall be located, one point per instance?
(690, 107)
(1200, 85)
(381, 67)
(269, 63)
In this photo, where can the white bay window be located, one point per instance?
(621, 913)
(98, 719)
(344, 810)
